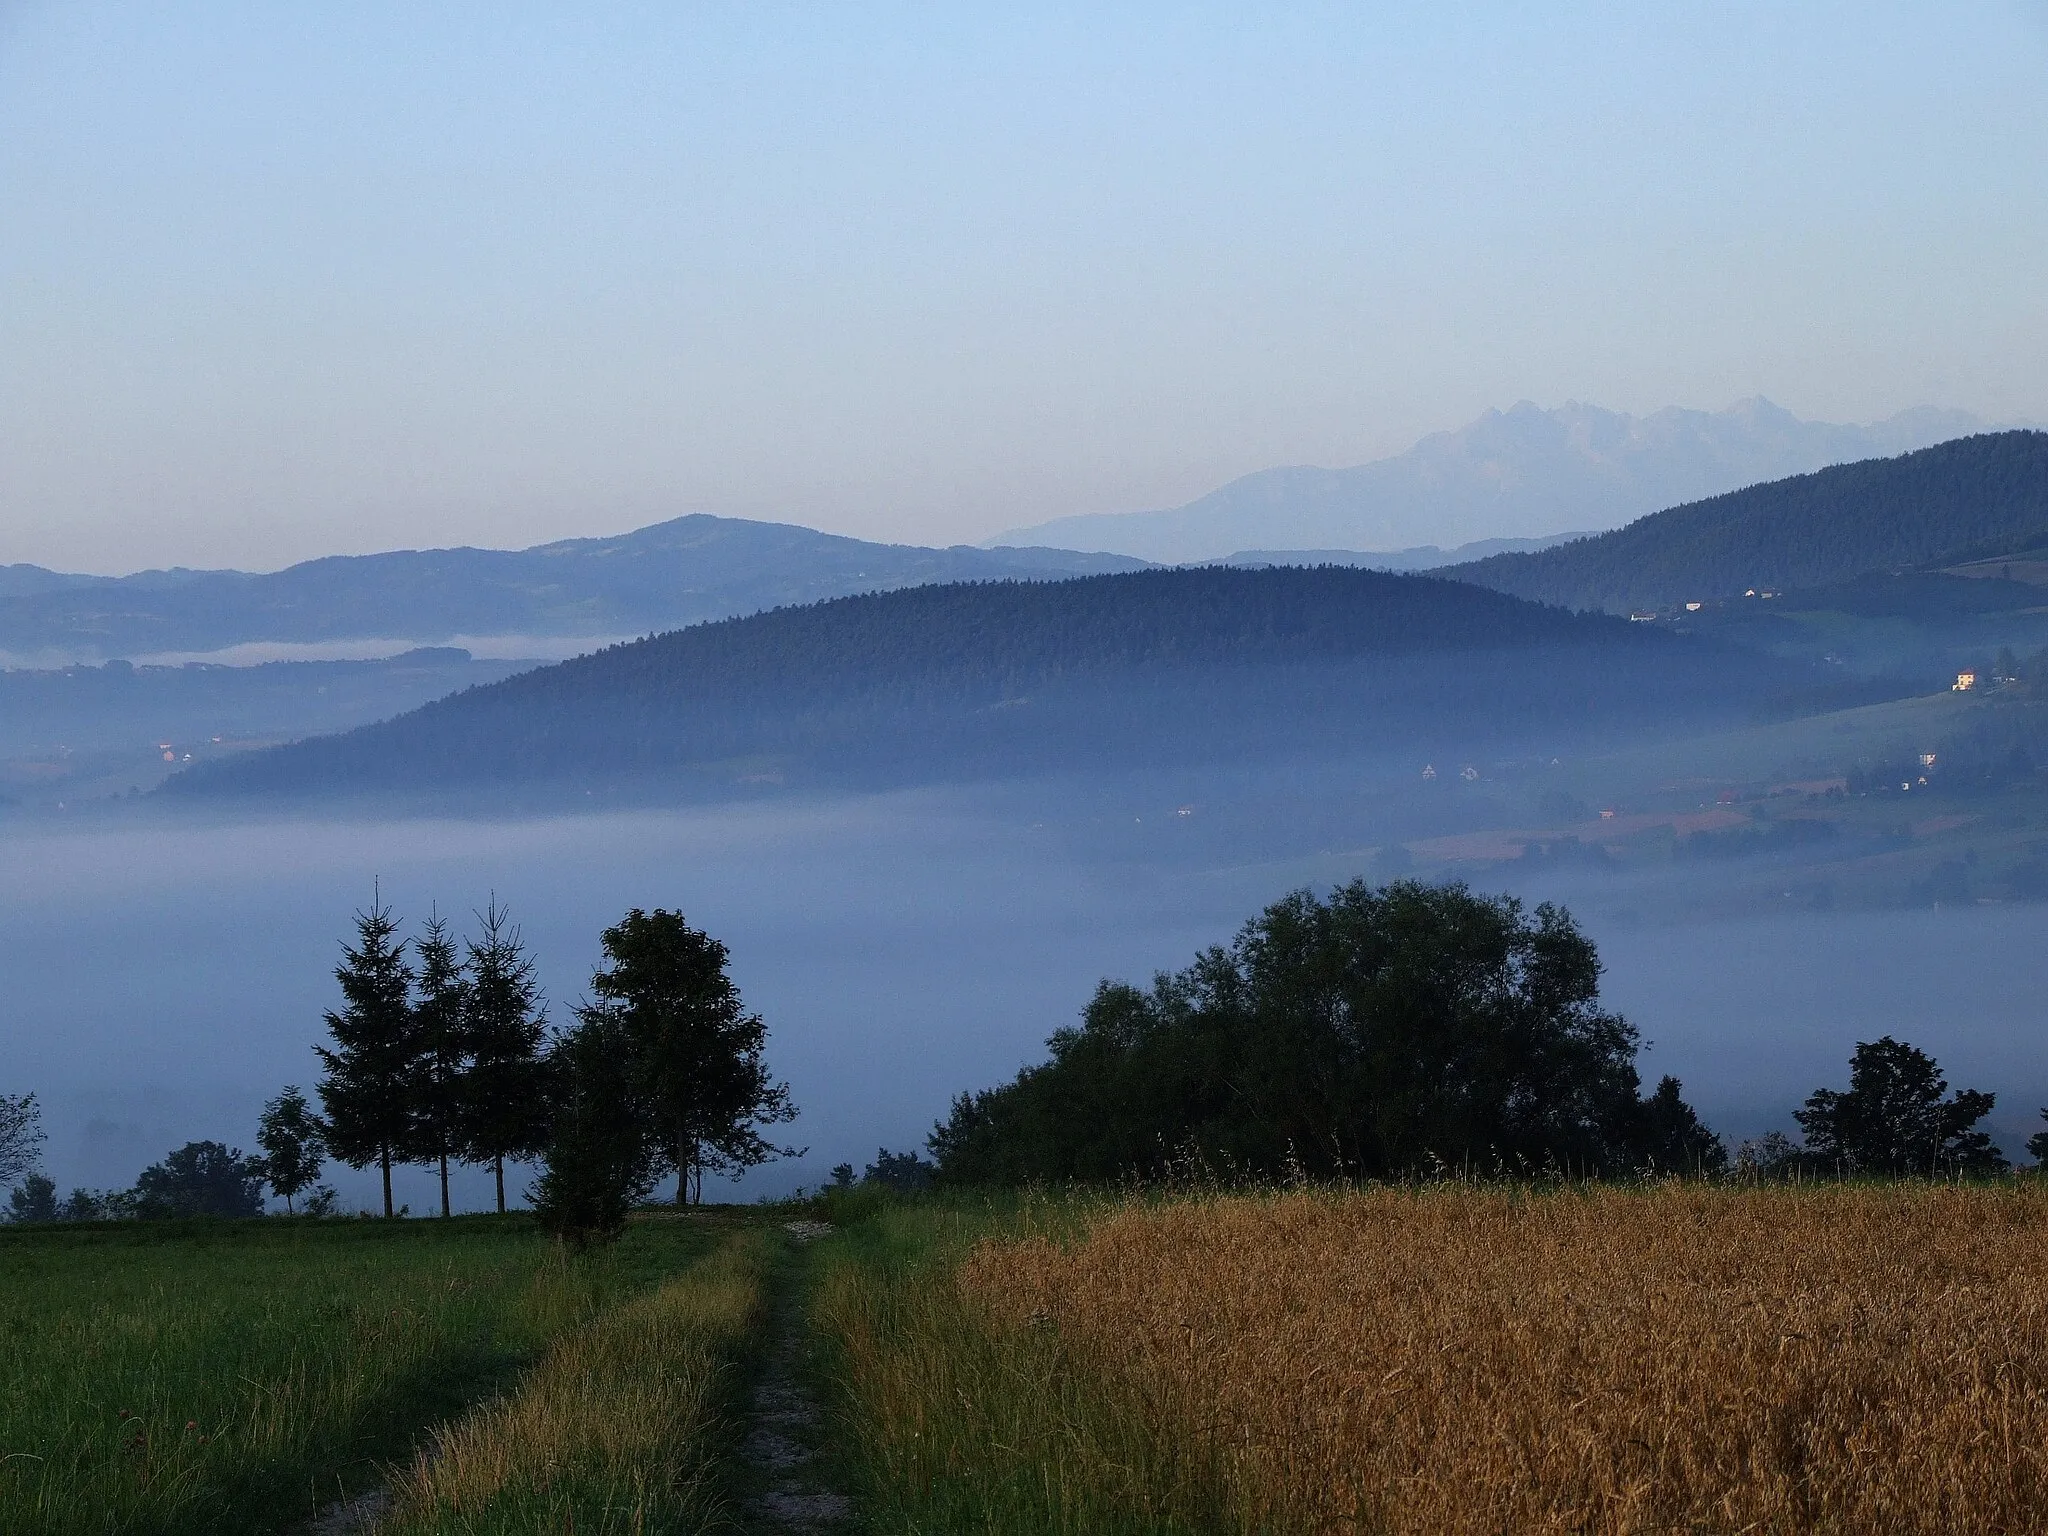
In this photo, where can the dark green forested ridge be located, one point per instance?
(1178, 661)
(1968, 498)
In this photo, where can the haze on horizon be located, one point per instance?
(277, 282)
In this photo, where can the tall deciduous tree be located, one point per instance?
(1897, 1117)
(504, 1109)
(368, 1089)
(440, 1039)
(696, 1051)
(21, 1135)
(290, 1135)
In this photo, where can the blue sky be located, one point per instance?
(281, 280)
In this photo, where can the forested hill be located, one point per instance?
(992, 678)
(679, 572)
(1971, 495)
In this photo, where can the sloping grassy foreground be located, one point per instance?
(1834, 1359)
(613, 1431)
(222, 1377)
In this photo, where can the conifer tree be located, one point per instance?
(696, 1051)
(290, 1135)
(440, 1030)
(504, 1108)
(368, 1089)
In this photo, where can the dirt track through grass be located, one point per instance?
(785, 1465)
(616, 1431)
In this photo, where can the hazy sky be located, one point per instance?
(280, 280)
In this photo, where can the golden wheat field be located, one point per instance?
(1834, 1359)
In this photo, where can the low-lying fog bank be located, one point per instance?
(161, 980)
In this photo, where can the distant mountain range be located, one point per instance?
(674, 573)
(1158, 669)
(1523, 472)
(1967, 500)
(1509, 481)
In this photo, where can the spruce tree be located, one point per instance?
(696, 1051)
(290, 1136)
(440, 1037)
(368, 1089)
(504, 1111)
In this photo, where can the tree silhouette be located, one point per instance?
(33, 1199)
(1674, 1138)
(21, 1135)
(368, 1089)
(1382, 1030)
(1894, 1118)
(439, 1021)
(201, 1178)
(598, 1159)
(290, 1135)
(504, 1109)
(696, 1051)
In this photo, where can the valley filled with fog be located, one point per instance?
(165, 975)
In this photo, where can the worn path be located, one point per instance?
(789, 1479)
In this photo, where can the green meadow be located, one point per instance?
(220, 1377)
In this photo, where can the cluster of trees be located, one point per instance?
(436, 1056)
(1387, 1030)
(442, 1055)
(201, 1178)
(1896, 1119)
(1404, 1029)
(663, 1072)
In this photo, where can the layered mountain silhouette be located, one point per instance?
(1967, 500)
(1155, 669)
(1519, 473)
(674, 573)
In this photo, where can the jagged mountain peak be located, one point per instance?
(1522, 472)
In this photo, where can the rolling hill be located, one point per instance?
(673, 573)
(1520, 473)
(1965, 499)
(998, 679)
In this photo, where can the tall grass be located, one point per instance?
(957, 1426)
(1832, 1359)
(613, 1431)
(226, 1377)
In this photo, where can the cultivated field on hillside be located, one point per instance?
(1457, 1359)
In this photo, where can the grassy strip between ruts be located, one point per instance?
(614, 1431)
(226, 1377)
(1455, 1359)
